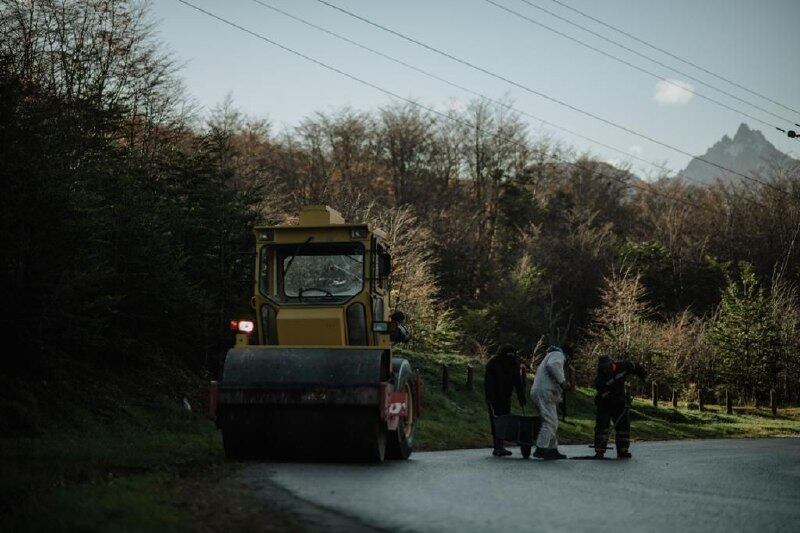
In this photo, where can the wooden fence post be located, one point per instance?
(469, 377)
(674, 399)
(445, 377)
(700, 404)
(654, 393)
(728, 402)
(773, 402)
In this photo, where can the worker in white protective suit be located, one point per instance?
(547, 391)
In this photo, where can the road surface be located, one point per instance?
(720, 485)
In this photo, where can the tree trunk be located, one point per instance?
(654, 393)
(445, 377)
(469, 377)
(674, 399)
(700, 403)
(728, 403)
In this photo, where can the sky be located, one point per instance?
(751, 42)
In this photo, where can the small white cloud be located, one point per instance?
(673, 92)
(614, 162)
(456, 104)
(635, 149)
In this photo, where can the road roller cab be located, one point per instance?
(313, 375)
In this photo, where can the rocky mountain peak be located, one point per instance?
(743, 132)
(748, 152)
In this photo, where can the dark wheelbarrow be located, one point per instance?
(516, 429)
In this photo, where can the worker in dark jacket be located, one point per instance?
(503, 376)
(612, 405)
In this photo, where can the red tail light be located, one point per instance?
(242, 326)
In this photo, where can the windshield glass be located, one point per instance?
(319, 272)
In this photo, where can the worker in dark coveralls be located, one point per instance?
(503, 377)
(612, 405)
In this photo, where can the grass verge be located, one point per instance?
(105, 475)
(106, 453)
(458, 418)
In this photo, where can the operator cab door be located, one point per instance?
(381, 303)
(265, 291)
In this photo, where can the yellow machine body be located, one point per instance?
(316, 320)
(317, 375)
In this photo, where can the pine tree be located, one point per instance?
(746, 337)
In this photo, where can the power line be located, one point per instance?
(637, 67)
(544, 95)
(468, 90)
(655, 61)
(674, 56)
(461, 87)
(417, 104)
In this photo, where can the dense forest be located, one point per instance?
(125, 208)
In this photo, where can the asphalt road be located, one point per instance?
(720, 485)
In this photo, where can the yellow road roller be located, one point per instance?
(313, 375)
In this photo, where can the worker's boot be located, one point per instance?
(599, 453)
(623, 454)
(556, 454)
(548, 454)
(500, 450)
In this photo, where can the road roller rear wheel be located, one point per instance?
(401, 442)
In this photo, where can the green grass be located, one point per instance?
(94, 449)
(454, 419)
(109, 475)
(130, 503)
(458, 418)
